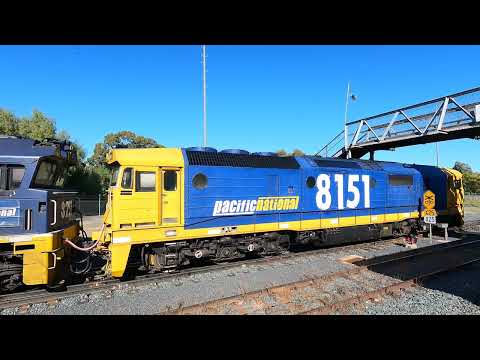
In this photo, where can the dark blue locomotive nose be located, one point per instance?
(32, 198)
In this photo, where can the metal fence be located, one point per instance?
(92, 205)
(469, 196)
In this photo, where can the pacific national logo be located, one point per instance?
(250, 207)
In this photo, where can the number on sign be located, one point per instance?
(430, 219)
(324, 196)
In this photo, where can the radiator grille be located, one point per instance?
(349, 164)
(241, 160)
(337, 163)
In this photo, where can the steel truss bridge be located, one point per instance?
(455, 116)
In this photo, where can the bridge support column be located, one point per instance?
(372, 155)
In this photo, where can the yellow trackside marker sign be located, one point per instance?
(429, 212)
(429, 200)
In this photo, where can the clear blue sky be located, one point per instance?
(260, 98)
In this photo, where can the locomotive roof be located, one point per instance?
(147, 157)
(14, 147)
(174, 157)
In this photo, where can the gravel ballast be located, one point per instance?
(169, 294)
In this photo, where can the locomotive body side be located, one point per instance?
(326, 194)
(169, 206)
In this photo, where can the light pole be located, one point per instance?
(204, 72)
(345, 130)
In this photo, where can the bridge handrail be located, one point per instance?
(466, 92)
(331, 141)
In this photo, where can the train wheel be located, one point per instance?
(11, 283)
(57, 287)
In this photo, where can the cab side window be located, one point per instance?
(127, 179)
(400, 180)
(11, 176)
(170, 180)
(145, 181)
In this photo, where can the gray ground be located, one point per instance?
(472, 214)
(92, 223)
(455, 293)
(172, 293)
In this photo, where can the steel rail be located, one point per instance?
(386, 290)
(364, 266)
(36, 296)
(402, 284)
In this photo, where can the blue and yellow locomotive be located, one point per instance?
(36, 212)
(168, 207)
(447, 185)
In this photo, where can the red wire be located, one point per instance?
(79, 248)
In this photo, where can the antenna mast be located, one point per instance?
(204, 62)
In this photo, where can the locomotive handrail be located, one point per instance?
(54, 261)
(54, 212)
(54, 253)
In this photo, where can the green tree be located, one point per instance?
(297, 152)
(37, 127)
(122, 139)
(471, 182)
(85, 180)
(63, 135)
(462, 167)
(471, 179)
(8, 123)
(281, 152)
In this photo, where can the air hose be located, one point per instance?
(84, 235)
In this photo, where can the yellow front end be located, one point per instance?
(44, 255)
(455, 195)
(146, 203)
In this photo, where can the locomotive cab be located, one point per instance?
(145, 200)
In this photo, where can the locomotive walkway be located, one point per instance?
(451, 117)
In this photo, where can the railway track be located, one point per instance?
(340, 291)
(36, 296)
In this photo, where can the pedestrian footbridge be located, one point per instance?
(455, 116)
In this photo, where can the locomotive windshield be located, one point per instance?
(50, 173)
(11, 176)
(113, 179)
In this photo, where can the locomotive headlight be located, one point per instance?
(170, 232)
